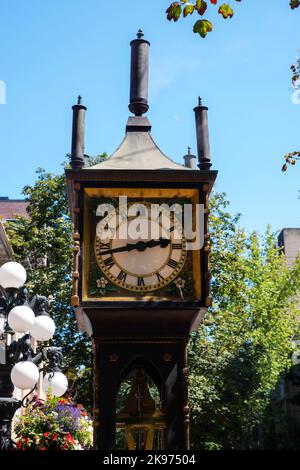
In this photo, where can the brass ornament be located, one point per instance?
(113, 357)
(140, 419)
(167, 357)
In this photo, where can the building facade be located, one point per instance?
(289, 389)
(10, 209)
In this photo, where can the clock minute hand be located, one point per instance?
(140, 246)
(127, 247)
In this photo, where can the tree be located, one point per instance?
(244, 344)
(241, 349)
(200, 7)
(44, 245)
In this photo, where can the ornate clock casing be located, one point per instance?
(140, 271)
(123, 263)
(138, 287)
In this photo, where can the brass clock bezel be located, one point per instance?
(87, 254)
(143, 289)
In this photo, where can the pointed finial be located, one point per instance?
(139, 34)
(202, 136)
(138, 101)
(189, 159)
(77, 151)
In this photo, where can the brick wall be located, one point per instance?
(10, 209)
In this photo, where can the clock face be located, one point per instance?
(143, 253)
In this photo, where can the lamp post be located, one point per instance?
(22, 313)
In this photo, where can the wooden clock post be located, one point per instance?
(140, 296)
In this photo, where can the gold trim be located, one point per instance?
(156, 193)
(136, 288)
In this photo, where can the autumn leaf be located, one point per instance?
(201, 7)
(226, 11)
(294, 4)
(188, 9)
(202, 27)
(174, 11)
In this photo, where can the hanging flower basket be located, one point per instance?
(54, 424)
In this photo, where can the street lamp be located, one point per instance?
(22, 313)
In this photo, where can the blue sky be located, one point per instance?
(52, 50)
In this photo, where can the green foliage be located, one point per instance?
(44, 245)
(245, 342)
(200, 7)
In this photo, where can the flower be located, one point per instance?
(69, 438)
(54, 424)
(102, 282)
(179, 283)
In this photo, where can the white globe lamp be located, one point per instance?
(43, 328)
(21, 318)
(12, 275)
(24, 375)
(56, 384)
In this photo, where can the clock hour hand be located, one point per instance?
(162, 242)
(140, 246)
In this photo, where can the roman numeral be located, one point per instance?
(109, 262)
(141, 281)
(160, 277)
(172, 228)
(172, 263)
(104, 246)
(176, 246)
(122, 276)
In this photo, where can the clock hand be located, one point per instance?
(127, 247)
(140, 246)
(162, 242)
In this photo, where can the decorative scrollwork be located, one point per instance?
(55, 358)
(8, 407)
(20, 350)
(39, 305)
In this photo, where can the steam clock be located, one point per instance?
(141, 272)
